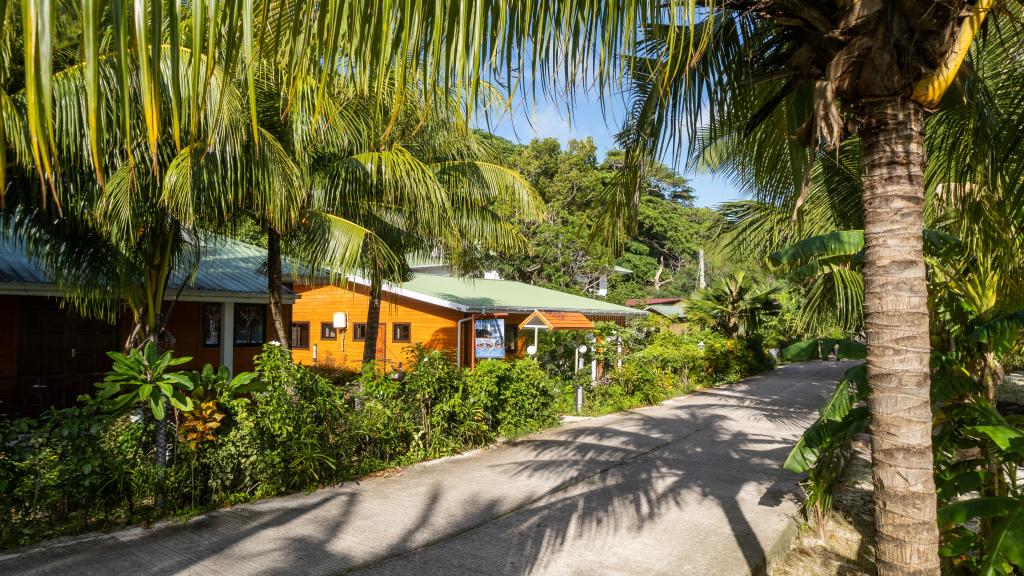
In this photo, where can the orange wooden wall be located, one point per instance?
(431, 325)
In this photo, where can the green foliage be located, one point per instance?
(286, 427)
(142, 377)
(671, 364)
(518, 396)
(563, 253)
(823, 348)
(1004, 546)
(735, 305)
(209, 384)
(824, 449)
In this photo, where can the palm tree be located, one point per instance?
(773, 87)
(420, 181)
(270, 182)
(736, 306)
(106, 237)
(881, 64)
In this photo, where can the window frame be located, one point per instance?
(324, 326)
(308, 335)
(407, 326)
(511, 337)
(237, 324)
(220, 324)
(355, 332)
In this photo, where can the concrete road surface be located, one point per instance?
(693, 486)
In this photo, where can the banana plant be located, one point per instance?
(824, 448)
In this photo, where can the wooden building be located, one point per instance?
(49, 354)
(471, 317)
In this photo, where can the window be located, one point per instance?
(212, 324)
(328, 331)
(250, 321)
(401, 332)
(359, 332)
(300, 335)
(511, 337)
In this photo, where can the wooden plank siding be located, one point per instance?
(431, 325)
(46, 343)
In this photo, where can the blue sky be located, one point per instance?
(545, 120)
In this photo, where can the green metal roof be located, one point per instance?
(226, 266)
(479, 295)
(668, 311)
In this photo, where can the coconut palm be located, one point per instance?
(878, 65)
(421, 182)
(110, 242)
(270, 183)
(777, 85)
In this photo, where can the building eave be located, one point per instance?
(187, 295)
(473, 309)
(399, 291)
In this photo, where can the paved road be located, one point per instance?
(693, 486)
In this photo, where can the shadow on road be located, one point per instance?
(667, 489)
(648, 485)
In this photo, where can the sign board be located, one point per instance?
(490, 338)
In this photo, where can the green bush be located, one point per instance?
(518, 396)
(722, 360)
(290, 427)
(55, 472)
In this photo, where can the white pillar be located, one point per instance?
(227, 336)
(701, 284)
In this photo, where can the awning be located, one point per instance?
(552, 320)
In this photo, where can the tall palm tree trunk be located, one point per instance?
(372, 322)
(896, 323)
(274, 285)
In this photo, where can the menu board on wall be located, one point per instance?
(490, 338)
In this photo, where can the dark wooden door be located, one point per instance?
(61, 350)
(382, 342)
(42, 342)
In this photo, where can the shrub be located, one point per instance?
(55, 468)
(519, 396)
(634, 384)
(290, 427)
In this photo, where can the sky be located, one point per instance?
(546, 120)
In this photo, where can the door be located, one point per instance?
(382, 343)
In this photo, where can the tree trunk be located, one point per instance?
(160, 446)
(896, 324)
(372, 321)
(274, 286)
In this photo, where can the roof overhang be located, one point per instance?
(556, 320)
(481, 309)
(187, 295)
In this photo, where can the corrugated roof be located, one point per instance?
(647, 301)
(668, 311)
(225, 266)
(17, 267)
(479, 295)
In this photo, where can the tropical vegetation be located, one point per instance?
(284, 427)
(109, 109)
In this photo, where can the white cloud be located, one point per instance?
(547, 121)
